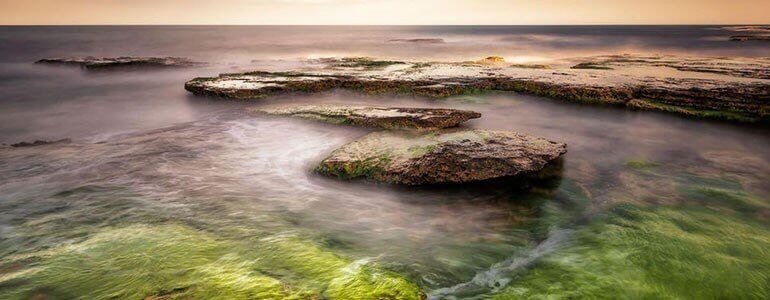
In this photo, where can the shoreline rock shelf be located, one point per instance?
(372, 116)
(707, 88)
(101, 63)
(442, 157)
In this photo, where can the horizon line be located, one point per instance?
(330, 25)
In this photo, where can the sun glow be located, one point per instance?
(391, 12)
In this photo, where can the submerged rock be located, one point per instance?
(373, 116)
(91, 62)
(591, 66)
(441, 157)
(425, 41)
(40, 143)
(529, 66)
(743, 38)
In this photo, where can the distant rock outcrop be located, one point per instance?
(98, 63)
(422, 41)
(40, 143)
(744, 38)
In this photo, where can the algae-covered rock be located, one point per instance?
(441, 157)
(91, 62)
(372, 116)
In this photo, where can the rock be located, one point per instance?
(529, 66)
(441, 157)
(591, 66)
(491, 60)
(749, 28)
(96, 63)
(423, 41)
(40, 143)
(372, 116)
(362, 63)
(743, 38)
(734, 89)
(748, 68)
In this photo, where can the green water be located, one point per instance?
(225, 208)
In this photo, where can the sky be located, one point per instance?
(383, 12)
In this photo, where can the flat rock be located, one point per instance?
(744, 38)
(423, 40)
(735, 89)
(373, 116)
(441, 157)
(91, 62)
(40, 143)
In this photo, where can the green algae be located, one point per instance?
(724, 115)
(710, 244)
(558, 208)
(640, 164)
(364, 282)
(664, 252)
(372, 167)
(724, 194)
(178, 262)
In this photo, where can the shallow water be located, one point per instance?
(150, 163)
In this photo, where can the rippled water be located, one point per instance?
(150, 163)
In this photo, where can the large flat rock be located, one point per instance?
(96, 63)
(441, 157)
(374, 116)
(720, 88)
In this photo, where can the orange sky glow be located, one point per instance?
(384, 12)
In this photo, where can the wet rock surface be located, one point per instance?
(40, 143)
(744, 38)
(728, 89)
(749, 33)
(420, 40)
(442, 157)
(372, 116)
(97, 63)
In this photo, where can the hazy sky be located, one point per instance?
(384, 12)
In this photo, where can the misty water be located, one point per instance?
(154, 176)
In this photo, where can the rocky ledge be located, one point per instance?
(40, 143)
(718, 88)
(442, 157)
(419, 40)
(744, 38)
(372, 116)
(99, 63)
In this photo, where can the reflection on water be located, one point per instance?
(220, 191)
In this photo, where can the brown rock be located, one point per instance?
(441, 157)
(372, 116)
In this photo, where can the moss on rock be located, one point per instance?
(440, 157)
